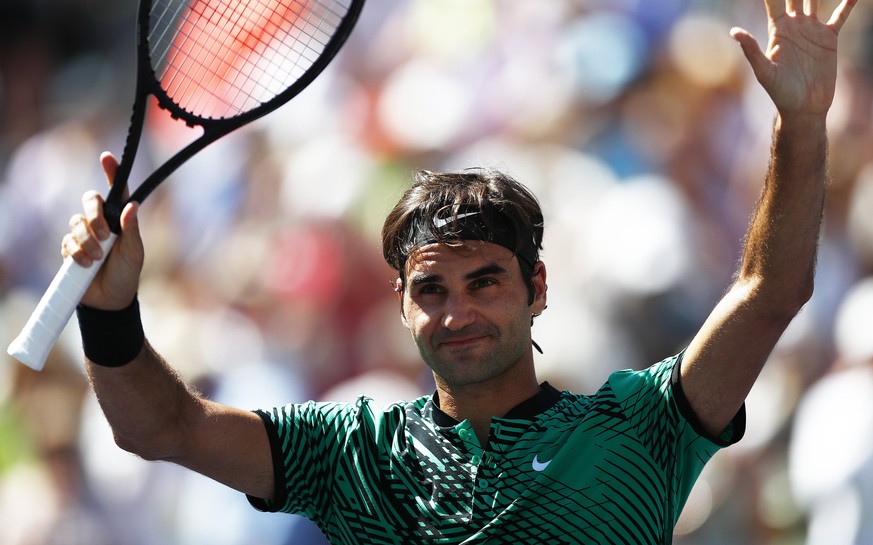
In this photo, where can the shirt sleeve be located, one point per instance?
(657, 410)
(653, 398)
(730, 435)
(307, 441)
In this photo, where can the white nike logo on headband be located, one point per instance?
(439, 223)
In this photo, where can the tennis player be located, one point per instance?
(494, 456)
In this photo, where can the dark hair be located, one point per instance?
(444, 195)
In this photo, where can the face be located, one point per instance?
(467, 309)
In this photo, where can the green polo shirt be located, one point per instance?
(613, 467)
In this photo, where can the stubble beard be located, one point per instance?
(477, 365)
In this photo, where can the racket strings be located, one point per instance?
(220, 58)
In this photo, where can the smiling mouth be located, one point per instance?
(462, 342)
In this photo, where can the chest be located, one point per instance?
(539, 481)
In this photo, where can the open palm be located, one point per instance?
(799, 67)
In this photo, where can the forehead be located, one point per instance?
(444, 258)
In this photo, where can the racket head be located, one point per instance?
(215, 63)
(197, 56)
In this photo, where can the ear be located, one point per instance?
(538, 280)
(398, 289)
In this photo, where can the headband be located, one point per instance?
(471, 223)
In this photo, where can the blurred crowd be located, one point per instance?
(639, 126)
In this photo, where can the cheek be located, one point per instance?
(423, 327)
(413, 318)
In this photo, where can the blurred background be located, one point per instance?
(639, 126)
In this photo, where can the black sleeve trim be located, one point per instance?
(738, 424)
(279, 490)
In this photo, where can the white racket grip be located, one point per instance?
(33, 344)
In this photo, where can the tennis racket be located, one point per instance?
(217, 65)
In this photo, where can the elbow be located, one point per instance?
(787, 299)
(782, 290)
(796, 297)
(155, 446)
(159, 431)
(141, 447)
(163, 436)
(805, 294)
(782, 301)
(130, 445)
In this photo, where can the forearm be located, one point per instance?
(145, 403)
(781, 244)
(775, 277)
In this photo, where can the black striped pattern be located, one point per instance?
(620, 465)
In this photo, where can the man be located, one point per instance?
(493, 456)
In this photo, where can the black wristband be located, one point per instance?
(111, 338)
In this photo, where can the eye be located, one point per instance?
(430, 289)
(484, 282)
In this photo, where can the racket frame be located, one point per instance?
(147, 84)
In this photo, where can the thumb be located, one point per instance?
(121, 273)
(757, 60)
(130, 242)
(130, 223)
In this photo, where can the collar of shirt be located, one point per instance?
(540, 402)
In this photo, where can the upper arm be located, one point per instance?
(229, 445)
(723, 361)
(156, 415)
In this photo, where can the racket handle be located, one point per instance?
(51, 315)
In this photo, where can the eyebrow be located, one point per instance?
(492, 269)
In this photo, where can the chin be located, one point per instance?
(464, 374)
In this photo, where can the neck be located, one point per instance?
(479, 403)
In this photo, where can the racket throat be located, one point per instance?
(112, 213)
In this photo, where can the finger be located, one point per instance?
(65, 252)
(84, 237)
(110, 169)
(70, 247)
(110, 166)
(92, 203)
(775, 9)
(794, 6)
(841, 14)
(811, 8)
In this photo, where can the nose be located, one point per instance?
(458, 313)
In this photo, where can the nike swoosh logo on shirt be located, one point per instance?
(539, 466)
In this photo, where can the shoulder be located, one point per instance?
(639, 399)
(656, 377)
(620, 387)
(324, 412)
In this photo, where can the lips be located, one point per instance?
(461, 342)
(460, 339)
